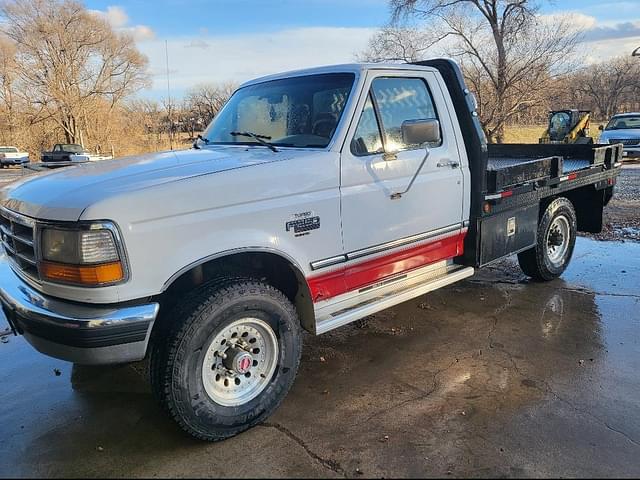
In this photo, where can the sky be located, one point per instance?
(217, 41)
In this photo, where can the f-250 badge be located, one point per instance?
(303, 223)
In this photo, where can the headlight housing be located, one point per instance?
(88, 255)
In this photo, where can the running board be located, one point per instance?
(353, 306)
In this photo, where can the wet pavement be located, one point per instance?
(9, 174)
(494, 376)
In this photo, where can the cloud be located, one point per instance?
(578, 20)
(595, 29)
(117, 17)
(602, 40)
(600, 50)
(616, 31)
(199, 43)
(222, 58)
(141, 32)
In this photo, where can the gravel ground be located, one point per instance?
(621, 216)
(10, 174)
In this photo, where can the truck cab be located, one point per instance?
(314, 198)
(65, 152)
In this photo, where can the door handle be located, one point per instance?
(453, 164)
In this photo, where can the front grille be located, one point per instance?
(627, 142)
(17, 235)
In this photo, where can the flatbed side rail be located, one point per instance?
(519, 168)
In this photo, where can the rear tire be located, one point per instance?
(226, 357)
(556, 239)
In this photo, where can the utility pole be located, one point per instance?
(170, 112)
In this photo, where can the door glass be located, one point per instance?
(398, 100)
(367, 138)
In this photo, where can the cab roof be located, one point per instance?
(355, 68)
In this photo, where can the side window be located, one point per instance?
(56, 148)
(367, 139)
(400, 99)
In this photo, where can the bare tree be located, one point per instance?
(508, 52)
(8, 72)
(69, 59)
(399, 44)
(206, 100)
(608, 87)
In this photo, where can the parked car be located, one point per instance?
(313, 199)
(623, 128)
(66, 152)
(12, 156)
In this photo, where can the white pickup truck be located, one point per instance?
(313, 199)
(12, 156)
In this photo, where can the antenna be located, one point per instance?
(166, 53)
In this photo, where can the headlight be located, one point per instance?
(87, 257)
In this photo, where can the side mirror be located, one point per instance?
(600, 127)
(419, 132)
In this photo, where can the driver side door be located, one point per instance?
(377, 163)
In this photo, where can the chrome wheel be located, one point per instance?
(240, 362)
(557, 240)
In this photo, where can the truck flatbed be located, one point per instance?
(514, 164)
(568, 166)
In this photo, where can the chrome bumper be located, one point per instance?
(79, 333)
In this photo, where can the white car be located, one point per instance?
(314, 198)
(623, 128)
(12, 156)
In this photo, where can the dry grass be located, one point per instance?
(524, 133)
(531, 133)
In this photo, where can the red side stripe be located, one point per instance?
(352, 277)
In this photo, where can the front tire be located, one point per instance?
(226, 358)
(555, 242)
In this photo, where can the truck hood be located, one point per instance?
(63, 194)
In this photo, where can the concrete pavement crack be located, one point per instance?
(589, 414)
(496, 314)
(328, 464)
(424, 394)
(549, 390)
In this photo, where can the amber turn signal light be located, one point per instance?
(88, 275)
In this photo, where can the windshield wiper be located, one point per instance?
(202, 139)
(261, 139)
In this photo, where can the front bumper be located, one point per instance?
(14, 161)
(76, 332)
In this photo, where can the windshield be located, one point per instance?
(8, 150)
(559, 125)
(627, 121)
(72, 148)
(291, 112)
